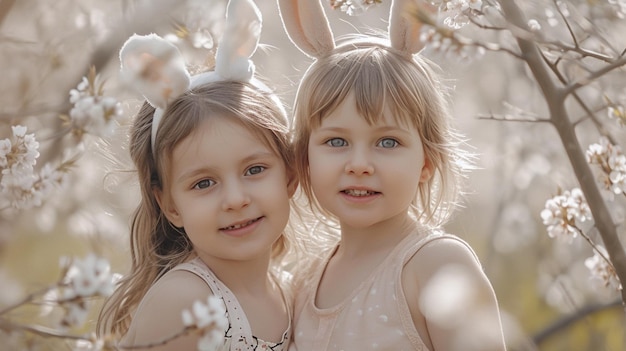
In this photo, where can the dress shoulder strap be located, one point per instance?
(239, 330)
(421, 240)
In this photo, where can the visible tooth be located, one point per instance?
(237, 226)
(355, 192)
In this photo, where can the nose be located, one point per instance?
(235, 196)
(359, 162)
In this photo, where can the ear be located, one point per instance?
(292, 184)
(168, 207)
(428, 170)
(307, 26)
(404, 32)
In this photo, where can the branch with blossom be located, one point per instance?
(580, 63)
(81, 281)
(23, 187)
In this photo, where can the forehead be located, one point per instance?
(384, 115)
(219, 135)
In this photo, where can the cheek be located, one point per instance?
(320, 170)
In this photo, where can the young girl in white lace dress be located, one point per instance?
(213, 157)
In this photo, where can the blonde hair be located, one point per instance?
(410, 86)
(156, 245)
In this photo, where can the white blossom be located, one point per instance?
(457, 12)
(84, 278)
(617, 112)
(76, 313)
(601, 270)
(563, 212)
(211, 318)
(18, 183)
(352, 7)
(89, 277)
(533, 25)
(611, 165)
(92, 112)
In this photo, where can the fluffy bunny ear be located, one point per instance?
(307, 26)
(239, 41)
(155, 68)
(404, 33)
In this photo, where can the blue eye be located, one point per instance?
(203, 184)
(336, 142)
(255, 170)
(388, 143)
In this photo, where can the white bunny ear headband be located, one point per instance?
(156, 68)
(307, 26)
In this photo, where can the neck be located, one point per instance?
(248, 275)
(357, 241)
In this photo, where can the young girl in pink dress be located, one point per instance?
(214, 163)
(376, 154)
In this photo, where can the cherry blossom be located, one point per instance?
(611, 165)
(353, 7)
(456, 12)
(563, 212)
(210, 317)
(88, 277)
(601, 270)
(92, 113)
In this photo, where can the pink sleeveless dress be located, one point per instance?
(375, 316)
(239, 334)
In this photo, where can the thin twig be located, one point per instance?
(42, 331)
(590, 114)
(594, 247)
(595, 75)
(505, 118)
(564, 18)
(28, 298)
(567, 321)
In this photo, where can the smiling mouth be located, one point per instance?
(241, 225)
(359, 193)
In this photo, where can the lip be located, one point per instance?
(242, 228)
(359, 194)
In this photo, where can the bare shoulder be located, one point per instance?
(159, 315)
(450, 297)
(442, 252)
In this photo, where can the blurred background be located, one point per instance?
(548, 298)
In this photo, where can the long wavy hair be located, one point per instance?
(156, 245)
(411, 86)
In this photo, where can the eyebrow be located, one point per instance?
(255, 156)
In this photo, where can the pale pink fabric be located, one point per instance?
(374, 317)
(239, 334)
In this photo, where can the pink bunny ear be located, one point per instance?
(404, 33)
(155, 68)
(307, 26)
(239, 41)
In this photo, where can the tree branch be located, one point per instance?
(555, 98)
(567, 321)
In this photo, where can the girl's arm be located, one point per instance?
(159, 315)
(451, 300)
